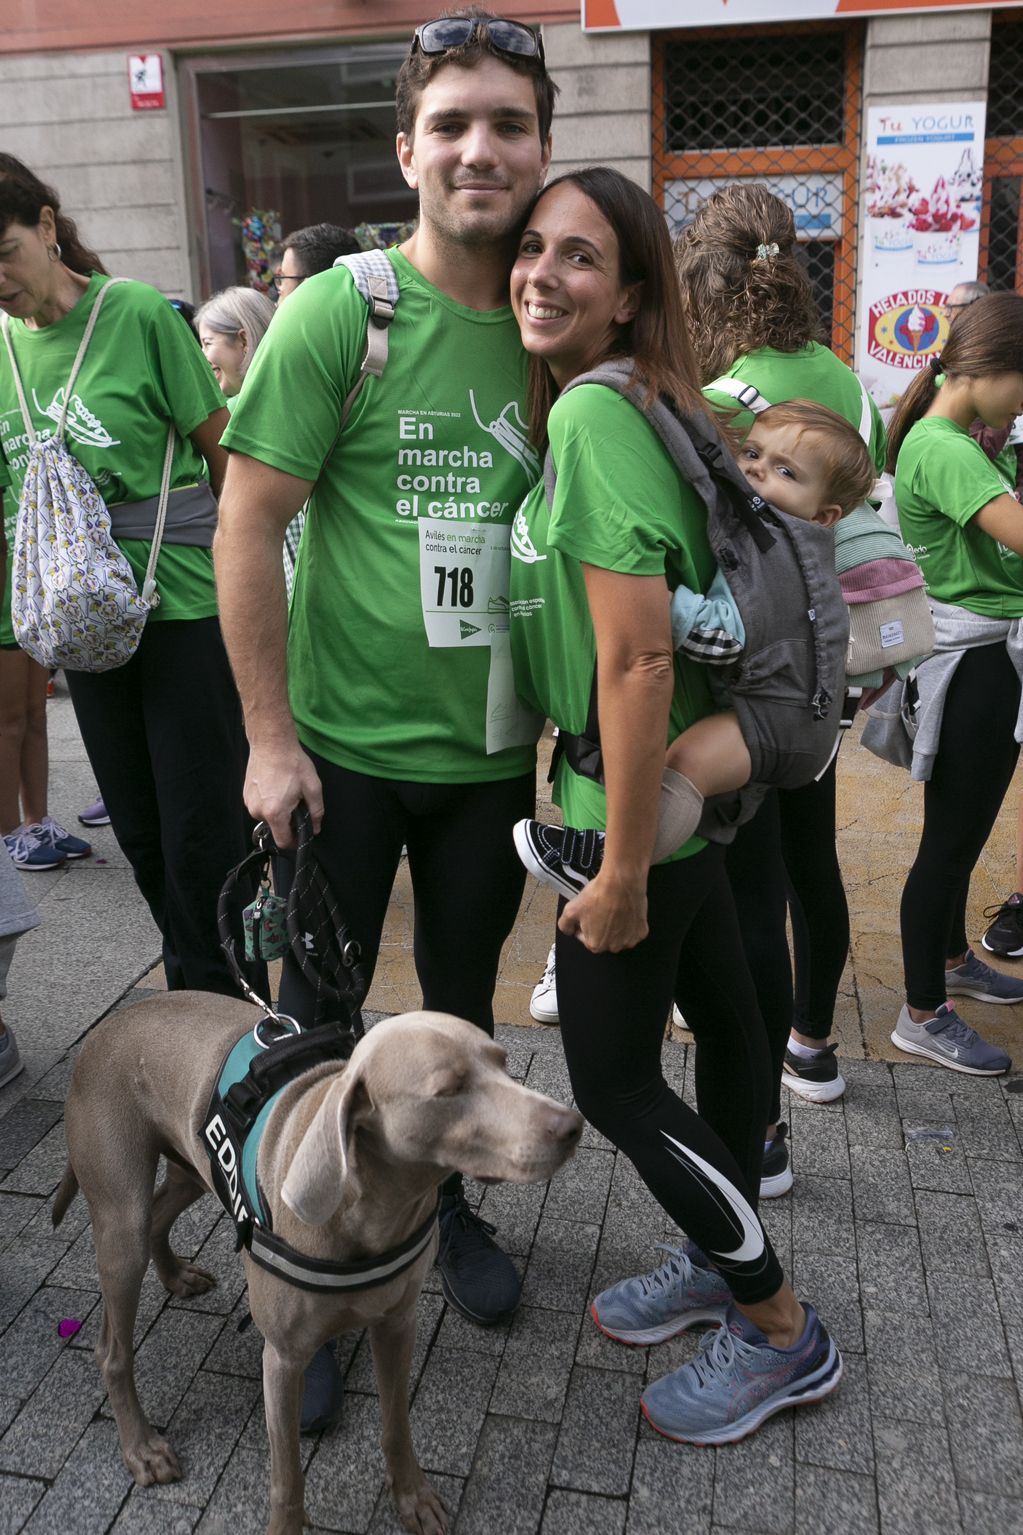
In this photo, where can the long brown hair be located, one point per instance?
(985, 337)
(656, 339)
(743, 284)
(22, 199)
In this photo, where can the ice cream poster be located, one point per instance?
(921, 218)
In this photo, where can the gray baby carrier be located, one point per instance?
(790, 678)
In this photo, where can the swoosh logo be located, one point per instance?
(752, 1245)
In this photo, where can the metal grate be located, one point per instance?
(779, 105)
(1001, 251)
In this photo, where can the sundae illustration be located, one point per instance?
(889, 189)
(938, 225)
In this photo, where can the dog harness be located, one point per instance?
(255, 1072)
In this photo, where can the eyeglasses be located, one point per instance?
(294, 277)
(447, 32)
(951, 308)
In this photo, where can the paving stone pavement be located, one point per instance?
(904, 1226)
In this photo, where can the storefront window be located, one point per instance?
(308, 136)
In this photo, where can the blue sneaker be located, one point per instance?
(975, 979)
(30, 852)
(60, 839)
(654, 1307)
(738, 1379)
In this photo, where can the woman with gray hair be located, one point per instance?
(231, 325)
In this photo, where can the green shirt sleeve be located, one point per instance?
(288, 414)
(956, 477)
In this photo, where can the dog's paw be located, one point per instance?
(421, 1510)
(188, 1279)
(152, 1460)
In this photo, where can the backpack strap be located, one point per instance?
(375, 278)
(30, 431)
(750, 398)
(149, 593)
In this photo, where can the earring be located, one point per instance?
(55, 252)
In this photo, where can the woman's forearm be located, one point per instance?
(633, 701)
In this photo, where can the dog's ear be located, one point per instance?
(312, 1188)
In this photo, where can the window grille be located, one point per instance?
(1001, 245)
(779, 105)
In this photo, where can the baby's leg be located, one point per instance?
(708, 758)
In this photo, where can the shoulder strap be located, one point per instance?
(375, 278)
(866, 414)
(747, 395)
(149, 593)
(75, 367)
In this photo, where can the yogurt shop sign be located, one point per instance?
(921, 217)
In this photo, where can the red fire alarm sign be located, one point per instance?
(145, 80)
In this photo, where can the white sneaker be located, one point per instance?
(543, 1004)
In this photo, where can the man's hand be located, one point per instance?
(278, 779)
(607, 915)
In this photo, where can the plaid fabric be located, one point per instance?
(292, 539)
(714, 647)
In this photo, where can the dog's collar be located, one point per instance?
(271, 1253)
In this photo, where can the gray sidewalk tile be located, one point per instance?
(10, 1406)
(548, 1073)
(218, 1257)
(360, 1375)
(605, 1354)
(54, 1418)
(152, 1300)
(579, 1192)
(822, 1216)
(950, 1234)
(448, 1488)
(449, 1408)
(194, 1226)
(966, 1326)
(515, 1210)
(142, 1515)
(508, 1480)
(1005, 1253)
(25, 1267)
(16, 1210)
(536, 1367)
(598, 1432)
(754, 1480)
(18, 1497)
(234, 1352)
(882, 1190)
(891, 1268)
(902, 1367)
(241, 1499)
(818, 1143)
(999, 1193)
(990, 1134)
(203, 1433)
(872, 1115)
(835, 1503)
(458, 1332)
(346, 1474)
(78, 1263)
(30, 1345)
(836, 1434)
(668, 1478)
(89, 1490)
(988, 1513)
(24, 1127)
(985, 1433)
(560, 1265)
(937, 1164)
(572, 1513)
(169, 1358)
(830, 1283)
(42, 1168)
(916, 1491)
(776, 1217)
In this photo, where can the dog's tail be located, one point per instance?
(67, 1191)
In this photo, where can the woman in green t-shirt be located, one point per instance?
(961, 519)
(163, 732)
(589, 579)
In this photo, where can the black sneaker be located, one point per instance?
(559, 856)
(477, 1278)
(1005, 935)
(323, 1390)
(776, 1174)
(814, 1077)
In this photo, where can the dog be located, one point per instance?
(349, 1165)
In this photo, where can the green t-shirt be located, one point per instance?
(942, 480)
(811, 373)
(399, 660)
(620, 505)
(142, 370)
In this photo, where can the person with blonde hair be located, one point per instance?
(231, 325)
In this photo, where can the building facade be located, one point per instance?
(256, 109)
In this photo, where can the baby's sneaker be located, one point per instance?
(559, 856)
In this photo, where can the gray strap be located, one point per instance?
(191, 517)
(375, 278)
(75, 368)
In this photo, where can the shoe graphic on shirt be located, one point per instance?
(513, 435)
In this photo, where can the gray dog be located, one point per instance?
(349, 1165)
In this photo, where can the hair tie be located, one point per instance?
(935, 365)
(766, 252)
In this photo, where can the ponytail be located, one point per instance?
(22, 200)
(916, 402)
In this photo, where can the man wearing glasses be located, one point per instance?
(391, 710)
(962, 296)
(307, 251)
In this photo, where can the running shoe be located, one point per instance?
(94, 814)
(776, 1174)
(477, 1278)
(654, 1307)
(60, 839)
(739, 1379)
(10, 1060)
(32, 854)
(559, 856)
(814, 1077)
(948, 1041)
(1005, 935)
(975, 979)
(543, 1004)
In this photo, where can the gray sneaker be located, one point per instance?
(10, 1061)
(975, 979)
(654, 1307)
(948, 1041)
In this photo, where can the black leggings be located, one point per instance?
(786, 859)
(466, 879)
(165, 739)
(973, 769)
(704, 1168)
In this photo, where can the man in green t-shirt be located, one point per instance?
(394, 715)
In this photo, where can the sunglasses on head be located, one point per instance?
(511, 37)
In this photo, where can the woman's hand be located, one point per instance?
(608, 915)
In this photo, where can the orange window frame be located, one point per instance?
(842, 158)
